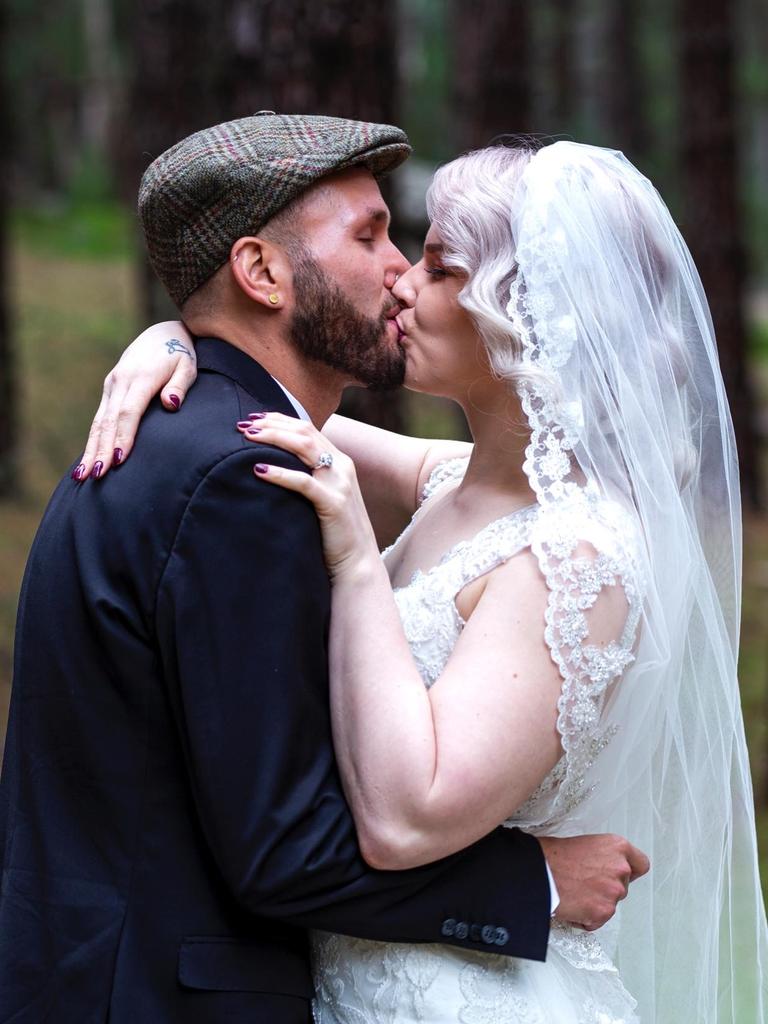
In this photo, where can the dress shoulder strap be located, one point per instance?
(450, 469)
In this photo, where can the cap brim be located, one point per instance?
(380, 160)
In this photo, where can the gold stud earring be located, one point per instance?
(274, 298)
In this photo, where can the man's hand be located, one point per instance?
(592, 873)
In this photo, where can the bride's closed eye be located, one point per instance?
(437, 272)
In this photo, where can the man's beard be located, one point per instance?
(328, 329)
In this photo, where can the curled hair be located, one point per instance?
(470, 203)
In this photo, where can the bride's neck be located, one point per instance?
(501, 434)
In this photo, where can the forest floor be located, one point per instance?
(73, 316)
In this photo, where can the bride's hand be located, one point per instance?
(162, 359)
(349, 543)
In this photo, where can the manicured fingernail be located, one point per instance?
(261, 467)
(174, 400)
(244, 424)
(77, 472)
(97, 468)
(253, 430)
(117, 456)
(257, 415)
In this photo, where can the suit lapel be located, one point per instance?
(217, 356)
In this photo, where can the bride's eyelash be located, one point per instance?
(436, 271)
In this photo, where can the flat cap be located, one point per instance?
(201, 195)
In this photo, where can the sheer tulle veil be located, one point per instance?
(616, 365)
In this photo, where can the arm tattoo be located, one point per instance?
(174, 345)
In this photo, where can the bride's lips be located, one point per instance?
(394, 322)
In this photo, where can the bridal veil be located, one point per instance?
(619, 378)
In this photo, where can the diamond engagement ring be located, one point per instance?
(324, 461)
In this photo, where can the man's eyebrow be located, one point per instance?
(378, 213)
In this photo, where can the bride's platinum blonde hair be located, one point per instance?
(473, 203)
(469, 203)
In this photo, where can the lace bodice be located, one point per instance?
(432, 622)
(594, 542)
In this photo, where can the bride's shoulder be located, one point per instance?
(445, 471)
(590, 527)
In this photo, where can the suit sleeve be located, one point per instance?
(242, 622)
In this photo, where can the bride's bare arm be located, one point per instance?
(392, 468)
(161, 360)
(427, 772)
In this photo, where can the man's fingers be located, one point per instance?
(638, 863)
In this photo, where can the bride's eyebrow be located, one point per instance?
(436, 247)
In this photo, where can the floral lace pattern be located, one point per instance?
(362, 982)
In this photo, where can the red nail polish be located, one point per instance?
(97, 468)
(253, 430)
(260, 467)
(77, 472)
(174, 400)
(244, 424)
(258, 415)
(117, 456)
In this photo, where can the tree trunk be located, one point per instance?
(176, 51)
(624, 93)
(712, 222)
(563, 64)
(491, 60)
(216, 62)
(98, 88)
(335, 58)
(8, 378)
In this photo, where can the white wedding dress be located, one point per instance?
(363, 982)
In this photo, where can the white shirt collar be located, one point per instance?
(300, 410)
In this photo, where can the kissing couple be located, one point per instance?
(258, 772)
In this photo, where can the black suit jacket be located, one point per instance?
(171, 818)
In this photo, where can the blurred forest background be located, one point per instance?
(92, 90)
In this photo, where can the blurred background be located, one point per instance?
(92, 90)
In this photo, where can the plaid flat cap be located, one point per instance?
(201, 195)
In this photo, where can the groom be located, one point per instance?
(171, 818)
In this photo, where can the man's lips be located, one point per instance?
(398, 327)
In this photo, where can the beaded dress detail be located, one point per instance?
(363, 982)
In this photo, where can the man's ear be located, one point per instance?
(262, 270)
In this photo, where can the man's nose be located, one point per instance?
(398, 266)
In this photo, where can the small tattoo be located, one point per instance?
(174, 345)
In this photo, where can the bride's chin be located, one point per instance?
(410, 383)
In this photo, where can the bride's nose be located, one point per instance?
(403, 289)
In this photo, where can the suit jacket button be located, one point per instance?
(489, 934)
(475, 932)
(502, 937)
(462, 930)
(449, 927)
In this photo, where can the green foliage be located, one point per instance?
(426, 90)
(78, 228)
(758, 341)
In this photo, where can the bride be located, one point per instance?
(552, 640)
